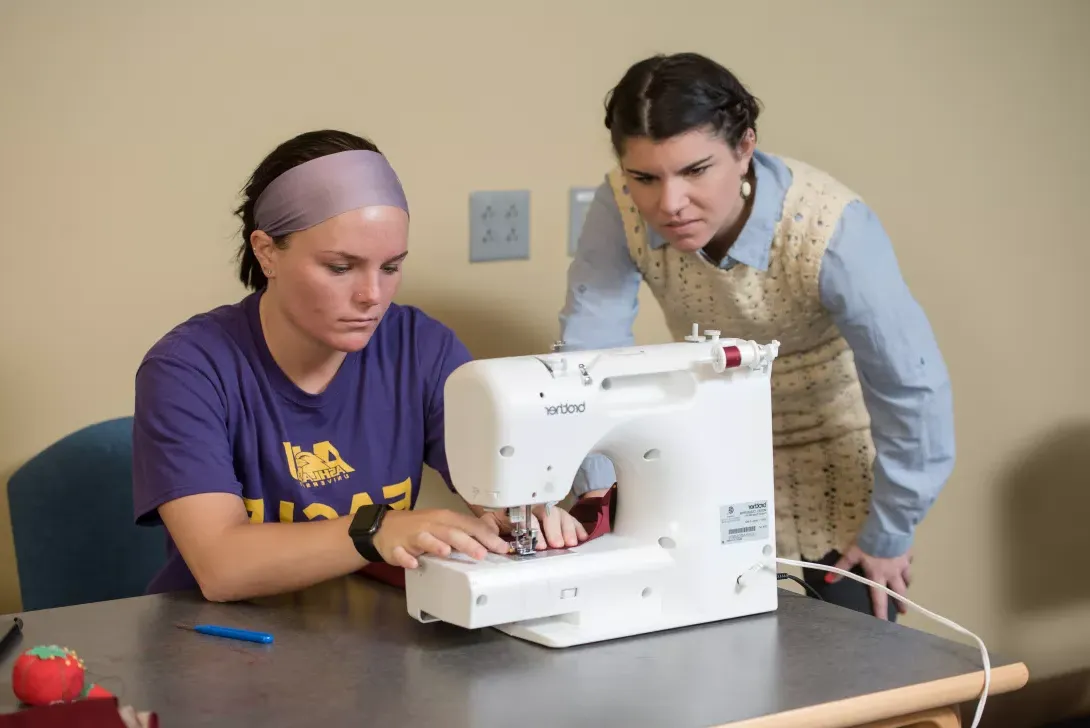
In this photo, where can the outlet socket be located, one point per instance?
(499, 225)
(579, 199)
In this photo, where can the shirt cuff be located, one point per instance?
(596, 473)
(876, 542)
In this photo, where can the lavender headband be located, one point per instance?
(317, 190)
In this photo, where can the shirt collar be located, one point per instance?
(754, 244)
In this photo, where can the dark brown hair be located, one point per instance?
(664, 96)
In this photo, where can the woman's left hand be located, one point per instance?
(558, 527)
(892, 573)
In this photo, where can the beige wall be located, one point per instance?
(125, 133)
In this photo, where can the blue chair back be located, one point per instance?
(72, 519)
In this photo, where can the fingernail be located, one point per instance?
(829, 578)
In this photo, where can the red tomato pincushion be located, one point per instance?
(50, 674)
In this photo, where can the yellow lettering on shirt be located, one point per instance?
(359, 500)
(256, 508)
(403, 489)
(320, 466)
(322, 510)
(315, 510)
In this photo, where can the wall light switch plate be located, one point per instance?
(579, 199)
(499, 225)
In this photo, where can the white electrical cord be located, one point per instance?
(936, 617)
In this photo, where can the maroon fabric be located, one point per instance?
(95, 713)
(592, 512)
(386, 573)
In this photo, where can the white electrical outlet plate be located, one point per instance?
(579, 199)
(499, 225)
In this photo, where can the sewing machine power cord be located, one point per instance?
(811, 590)
(938, 618)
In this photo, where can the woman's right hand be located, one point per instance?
(404, 535)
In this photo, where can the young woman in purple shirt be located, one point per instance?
(281, 439)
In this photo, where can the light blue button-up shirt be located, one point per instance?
(905, 383)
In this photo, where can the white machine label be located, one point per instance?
(740, 522)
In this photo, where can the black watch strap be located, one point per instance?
(365, 524)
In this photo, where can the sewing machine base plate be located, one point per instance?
(601, 590)
(559, 632)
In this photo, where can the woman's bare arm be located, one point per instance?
(233, 559)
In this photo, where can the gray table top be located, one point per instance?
(347, 653)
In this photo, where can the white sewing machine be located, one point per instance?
(688, 427)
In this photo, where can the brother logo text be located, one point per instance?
(566, 409)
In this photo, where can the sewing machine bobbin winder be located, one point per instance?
(688, 427)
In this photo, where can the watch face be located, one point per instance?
(366, 519)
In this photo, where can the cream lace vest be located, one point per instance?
(821, 436)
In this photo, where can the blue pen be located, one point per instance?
(229, 632)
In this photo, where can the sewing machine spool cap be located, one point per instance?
(695, 336)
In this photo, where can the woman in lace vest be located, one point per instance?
(765, 247)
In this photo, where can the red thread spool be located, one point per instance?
(734, 356)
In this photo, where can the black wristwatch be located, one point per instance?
(365, 525)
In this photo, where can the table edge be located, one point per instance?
(893, 703)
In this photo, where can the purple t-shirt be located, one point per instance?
(214, 413)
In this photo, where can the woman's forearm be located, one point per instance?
(262, 559)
